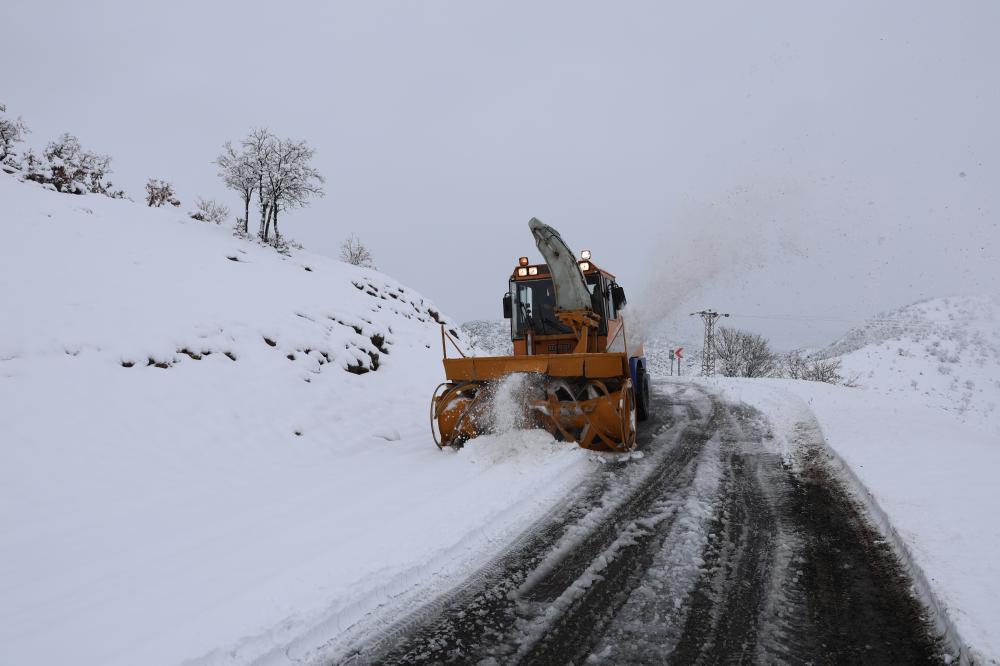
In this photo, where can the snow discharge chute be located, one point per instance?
(565, 320)
(570, 288)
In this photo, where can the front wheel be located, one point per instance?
(642, 396)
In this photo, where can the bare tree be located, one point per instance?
(278, 170)
(239, 172)
(353, 251)
(159, 193)
(257, 147)
(290, 179)
(744, 354)
(209, 210)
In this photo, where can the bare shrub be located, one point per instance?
(67, 167)
(209, 210)
(799, 366)
(795, 365)
(824, 371)
(159, 193)
(12, 131)
(744, 354)
(353, 251)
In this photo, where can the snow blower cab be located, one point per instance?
(579, 380)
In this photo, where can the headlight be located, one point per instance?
(522, 272)
(533, 270)
(584, 265)
(585, 255)
(523, 261)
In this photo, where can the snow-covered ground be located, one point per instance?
(189, 471)
(489, 337)
(943, 352)
(212, 453)
(922, 472)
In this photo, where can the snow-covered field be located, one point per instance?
(924, 470)
(189, 471)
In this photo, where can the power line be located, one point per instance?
(871, 320)
(859, 324)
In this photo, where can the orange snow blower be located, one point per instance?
(581, 383)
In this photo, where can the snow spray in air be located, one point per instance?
(713, 239)
(509, 401)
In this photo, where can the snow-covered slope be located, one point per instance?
(489, 337)
(944, 353)
(214, 452)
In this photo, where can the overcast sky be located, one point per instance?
(802, 165)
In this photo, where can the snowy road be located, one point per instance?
(706, 549)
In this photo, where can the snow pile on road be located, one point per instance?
(944, 352)
(215, 452)
(927, 477)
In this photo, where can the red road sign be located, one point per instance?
(678, 352)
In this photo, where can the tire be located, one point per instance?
(642, 397)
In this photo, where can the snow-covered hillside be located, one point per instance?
(211, 451)
(489, 337)
(944, 353)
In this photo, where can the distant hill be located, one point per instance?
(945, 350)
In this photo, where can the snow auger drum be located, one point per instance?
(568, 335)
(582, 411)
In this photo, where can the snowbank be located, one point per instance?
(214, 452)
(933, 478)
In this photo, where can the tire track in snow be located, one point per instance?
(565, 628)
(722, 624)
(795, 573)
(481, 618)
(710, 550)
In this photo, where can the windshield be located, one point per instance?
(534, 304)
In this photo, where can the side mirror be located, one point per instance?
(507, 308)
(618, 296)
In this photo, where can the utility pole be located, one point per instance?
(708, 353)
